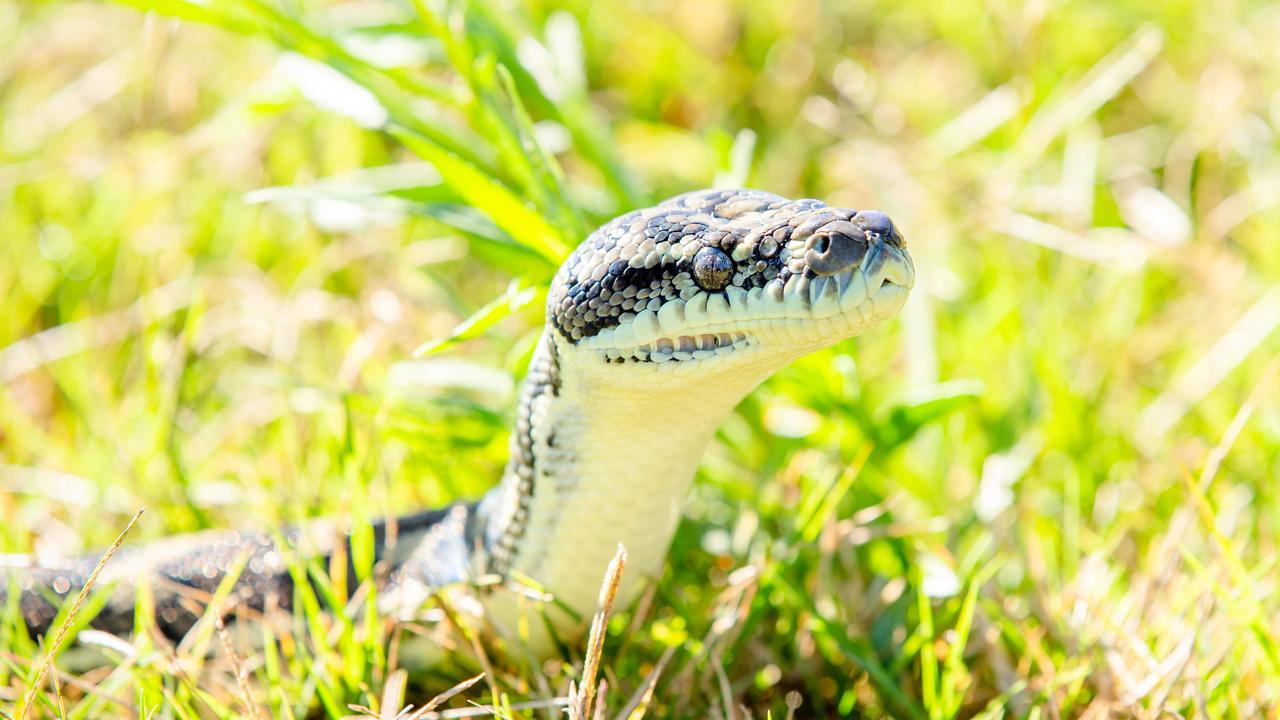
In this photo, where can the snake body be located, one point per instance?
(658, 324)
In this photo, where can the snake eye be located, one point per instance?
(712, 269)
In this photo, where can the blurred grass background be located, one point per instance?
(1047, 490)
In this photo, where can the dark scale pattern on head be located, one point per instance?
(645, 258)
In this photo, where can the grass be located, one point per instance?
(1046, 491)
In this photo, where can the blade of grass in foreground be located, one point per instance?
(66, 624)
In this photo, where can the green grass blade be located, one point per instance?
(504, 208)
(515, 297)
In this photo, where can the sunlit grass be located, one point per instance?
(1046, 491)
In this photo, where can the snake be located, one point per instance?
(657, 325)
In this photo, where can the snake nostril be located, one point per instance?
(835, 252)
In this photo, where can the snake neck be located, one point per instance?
(595, 463)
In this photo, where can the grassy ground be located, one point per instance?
(1047, 490)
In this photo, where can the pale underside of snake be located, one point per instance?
(657, 326)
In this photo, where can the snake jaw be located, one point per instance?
(799, 314)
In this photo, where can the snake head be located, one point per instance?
(726, 278)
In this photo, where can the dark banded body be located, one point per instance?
(184, 574)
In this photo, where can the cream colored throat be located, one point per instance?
(616, 453)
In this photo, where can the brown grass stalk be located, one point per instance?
(584, 697)
(71, 616)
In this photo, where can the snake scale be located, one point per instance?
(658, 324)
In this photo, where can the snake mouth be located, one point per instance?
(681, 348)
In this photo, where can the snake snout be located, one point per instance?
(840, 245)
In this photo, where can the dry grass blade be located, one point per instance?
(974, 123)
(57, 694)
(638, 705)
(1263, 194)
(1220, 451)
(242, 677)
(580, 708)
(443, 697)
(492, 711)
(1104, 81)
(1125, 255)
(71, 616)
(726, 692)
(461, 630)
(1189, 388)
(393, 695)
(600, 707)
(70, 338)
(729, 612)
(794, 701)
